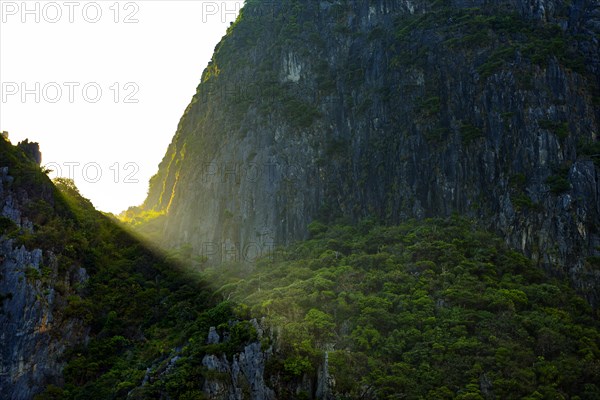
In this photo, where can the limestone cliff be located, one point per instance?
(394, 109)
(34, 330)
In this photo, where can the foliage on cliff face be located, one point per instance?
(132, 306)
(435, 309)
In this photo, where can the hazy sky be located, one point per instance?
(101, 85)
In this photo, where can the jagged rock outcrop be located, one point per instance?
(32, 150)
(245, 375)
(241, 378)
(394, 109)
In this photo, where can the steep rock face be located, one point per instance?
(33, 329)
(34, 334)
(393, 110)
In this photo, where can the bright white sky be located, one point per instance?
(161, 56)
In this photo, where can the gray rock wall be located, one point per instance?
(393, 110)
